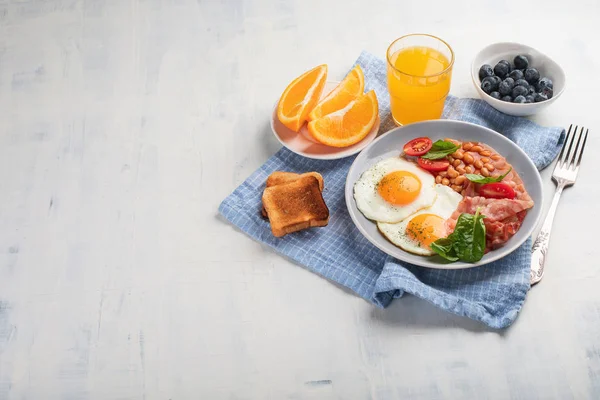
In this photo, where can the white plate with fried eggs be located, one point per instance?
(402, 223)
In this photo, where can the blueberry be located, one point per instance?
(540, 97)
(532, 75)
(495, 95)
(531, 90)
(486, 86)
(519, 91)
(506, 86)
(507, 98)
(548, 92)
(520, 99)
(529, 98)
(516, 74)
(521, 62)
(485, 71)
(522, 82)
(490, 84)
(544, 83)
(502, 69)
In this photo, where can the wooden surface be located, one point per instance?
(123, 124)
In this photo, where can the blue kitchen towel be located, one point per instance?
(492, 294)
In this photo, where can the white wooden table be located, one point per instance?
(123, 124)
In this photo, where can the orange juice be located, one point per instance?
(418, 83)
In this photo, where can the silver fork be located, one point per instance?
(565, 174)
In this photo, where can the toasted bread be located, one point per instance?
(295, 205)
(279, 177)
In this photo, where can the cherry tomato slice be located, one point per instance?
(433, 165)
(417, 147)
(497, 191)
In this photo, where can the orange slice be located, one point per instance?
(349, 89)
(300, 97)
(349, 125)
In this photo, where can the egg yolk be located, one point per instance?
(426, 229)
(399, 187)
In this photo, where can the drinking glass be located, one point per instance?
(419, 71)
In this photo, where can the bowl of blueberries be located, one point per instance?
(517, 79)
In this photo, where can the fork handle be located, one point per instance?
(540, 246)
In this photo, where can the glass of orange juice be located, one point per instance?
(419, 70)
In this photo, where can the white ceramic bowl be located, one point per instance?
(507, 51)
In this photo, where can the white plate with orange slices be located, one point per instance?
(324, 119)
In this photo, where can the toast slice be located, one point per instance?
(295, 205)
(279, 177)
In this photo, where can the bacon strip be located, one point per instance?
(503, 217)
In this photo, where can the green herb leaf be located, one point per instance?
(482, 179)
(466, 243)
(443, 247)
(442, 145)
(440, 149)
(469, 237)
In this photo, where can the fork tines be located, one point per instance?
(571, 158)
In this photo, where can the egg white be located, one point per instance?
(445, 204)
(374, 207)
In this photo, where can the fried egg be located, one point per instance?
(393, 189)
(415, 234)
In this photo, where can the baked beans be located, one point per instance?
(458, 154)
(471, 158)
(452, 172)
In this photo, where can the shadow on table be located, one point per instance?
(410, 312)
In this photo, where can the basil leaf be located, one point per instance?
(482, 179)
(466, 243)
(442, 145)
(440, 149)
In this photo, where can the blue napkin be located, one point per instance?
(492, 294)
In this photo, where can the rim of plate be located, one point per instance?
(350, 150)
(348, 194)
